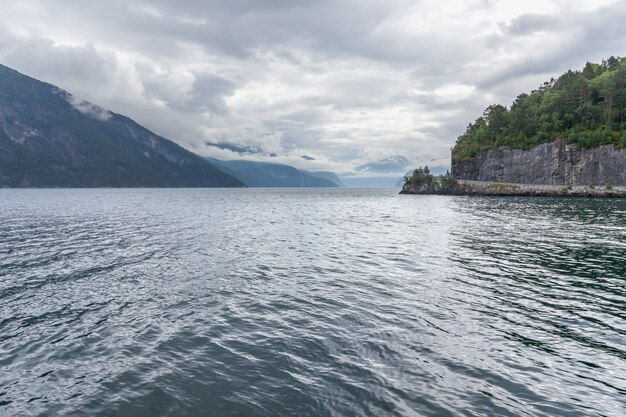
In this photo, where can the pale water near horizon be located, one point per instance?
(299, 302)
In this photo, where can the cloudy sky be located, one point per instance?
(365, 88)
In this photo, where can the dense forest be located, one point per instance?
(587, 108)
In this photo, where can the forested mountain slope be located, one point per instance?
(49, 138)
(586, 108)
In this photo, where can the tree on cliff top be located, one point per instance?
(420, 177)
(587, 108)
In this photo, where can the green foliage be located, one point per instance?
(420, 177)
(608, 186)
(586, 108)
(447, 180)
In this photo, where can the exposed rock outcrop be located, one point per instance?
(434, 188)
(554, 163)
(519, 190)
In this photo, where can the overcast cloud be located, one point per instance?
(361, 87)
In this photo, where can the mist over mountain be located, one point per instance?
(329, 175)
(49, 138)
(265, 174)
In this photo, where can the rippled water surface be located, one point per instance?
(310, 303)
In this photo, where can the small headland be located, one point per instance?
(422, 182)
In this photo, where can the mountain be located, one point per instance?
(400, 182)
(370, 182)
(586, 108)
(329, 175)
(265, 174)
(49, 138)
(569, 132)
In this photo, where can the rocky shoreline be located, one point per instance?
(483, 188)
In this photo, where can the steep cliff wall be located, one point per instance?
(555, 163)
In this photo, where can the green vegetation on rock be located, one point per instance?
(422, 176)
(586, 108)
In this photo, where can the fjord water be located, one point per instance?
(310, 303)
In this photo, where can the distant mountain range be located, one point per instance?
(264, 174)
(329, 175)
(49, 138)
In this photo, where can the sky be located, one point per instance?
(361, 88)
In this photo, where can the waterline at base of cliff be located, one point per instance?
(485, 188)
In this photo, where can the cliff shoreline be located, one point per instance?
(553, 169)
(554, 163)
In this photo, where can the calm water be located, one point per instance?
(310, 303)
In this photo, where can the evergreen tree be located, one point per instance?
(587, 108)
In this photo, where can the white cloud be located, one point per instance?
(349, 82)
(89, 109)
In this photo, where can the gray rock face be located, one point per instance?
(554, 163)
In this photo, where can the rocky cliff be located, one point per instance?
(554, 163)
